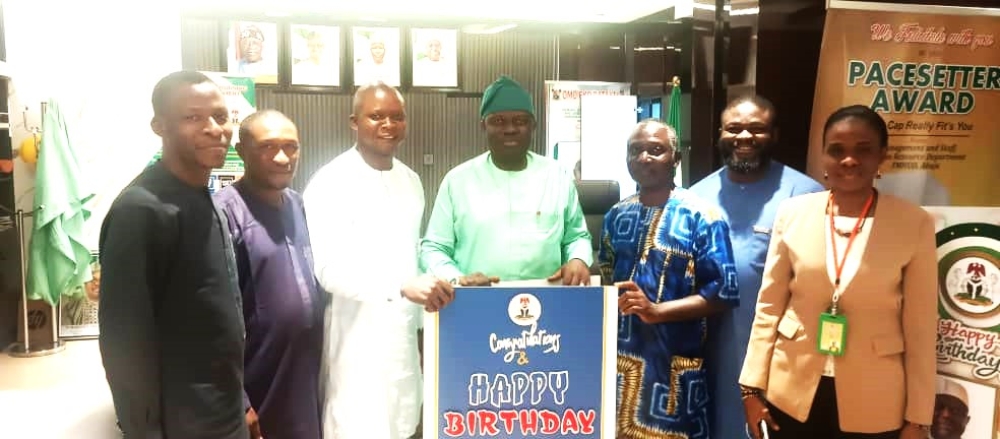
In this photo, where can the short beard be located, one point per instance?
(744, 166)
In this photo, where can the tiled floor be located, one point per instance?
(60, 396)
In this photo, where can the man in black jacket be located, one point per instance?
(171, 324)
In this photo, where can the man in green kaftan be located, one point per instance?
(507, 214)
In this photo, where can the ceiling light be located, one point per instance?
(465, 12)
(705, 7)
(741, 11)
(745, 11)
(486, 29)
(683, 9)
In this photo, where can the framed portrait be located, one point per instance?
(315, 55)
(78, 312)
(376, 55)
(253, 51)
(434, 58)
(977, 400)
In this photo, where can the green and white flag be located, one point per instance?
(674, 110)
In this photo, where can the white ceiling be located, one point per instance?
(515, 11)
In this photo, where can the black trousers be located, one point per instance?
(823, 421)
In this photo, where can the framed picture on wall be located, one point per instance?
(78, 312)
(979, 400)
(434, 57)
(253, 51)
(376, 55)
(315, 55)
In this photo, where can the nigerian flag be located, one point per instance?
(674, 109)
(58, 260)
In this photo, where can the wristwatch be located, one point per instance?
(748, 392)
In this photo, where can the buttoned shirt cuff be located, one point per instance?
(582, 251)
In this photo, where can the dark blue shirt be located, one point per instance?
(283, 311)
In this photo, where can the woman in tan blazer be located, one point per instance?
(842, 344)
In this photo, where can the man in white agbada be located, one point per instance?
(367, 207)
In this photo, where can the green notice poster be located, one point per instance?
(241, 98)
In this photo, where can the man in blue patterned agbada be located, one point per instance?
(669, 254)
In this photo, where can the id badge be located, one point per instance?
(832, 334)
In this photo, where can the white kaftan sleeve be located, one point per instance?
(341, 271)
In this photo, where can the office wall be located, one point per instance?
(101, 71)
(661, 48)
(441, 125)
